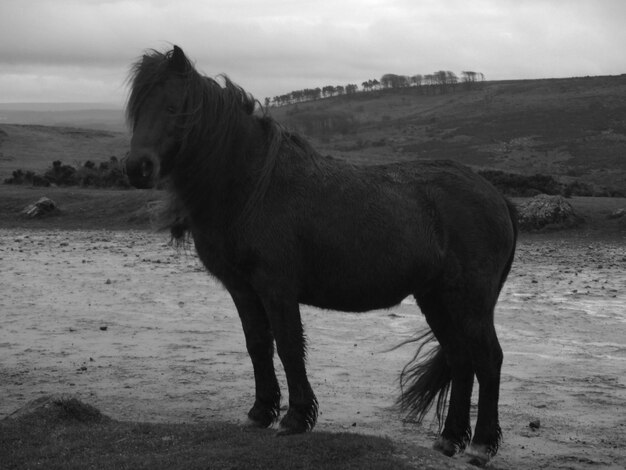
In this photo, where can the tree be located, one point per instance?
(328, 90)
(470, 78)
(445, 80)
(416, 80)
(430, 82)
(296, 96)
(315, 93)
(441, 81)
(391, 80)
(451, 80)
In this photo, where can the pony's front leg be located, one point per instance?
(260, 345)
(287, 327)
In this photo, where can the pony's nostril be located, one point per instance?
(147, 167)
(141, 171)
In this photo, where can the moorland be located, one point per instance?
(97, 307)
(572, 131)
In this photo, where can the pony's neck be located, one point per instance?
(220, 173)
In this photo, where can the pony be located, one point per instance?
(279, 225)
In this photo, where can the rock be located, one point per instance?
(617, 214)
(43, 207)
(547, 212)
(534, 424)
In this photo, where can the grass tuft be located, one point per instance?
(66, 433)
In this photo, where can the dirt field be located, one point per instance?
(128, 324)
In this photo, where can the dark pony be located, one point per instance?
(279, 226)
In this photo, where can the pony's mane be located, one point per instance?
(154, 68)
(208, 101)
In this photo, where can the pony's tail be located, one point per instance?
(424, 380)
(514, 216)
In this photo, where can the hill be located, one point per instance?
(34, 147)
(572, 128)
(103, 116)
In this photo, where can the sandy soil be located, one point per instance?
(136, 328)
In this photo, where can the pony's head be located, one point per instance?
(155, 112)
(201, 135)
(173, 111)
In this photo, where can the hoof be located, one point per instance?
(253, 423)
(299, 419)
(478, 455)
(263, 416)
(446, 447)
(289, 431)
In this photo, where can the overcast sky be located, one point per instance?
(81, 50)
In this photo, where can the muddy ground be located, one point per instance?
(129, 324)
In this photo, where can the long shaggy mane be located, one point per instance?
(212, 115)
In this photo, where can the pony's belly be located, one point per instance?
(351, 299)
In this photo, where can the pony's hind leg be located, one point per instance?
(260, 346)
(479, 353)
(487, 362)
(456, 432)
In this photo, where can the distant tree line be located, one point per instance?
(442, 81)
(108, 174)
(311, 94)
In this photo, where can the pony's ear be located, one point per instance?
(178, 61)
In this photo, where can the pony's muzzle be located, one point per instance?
(142, 171)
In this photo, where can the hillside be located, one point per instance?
(34, 147)
(571, 128)
(100, 116)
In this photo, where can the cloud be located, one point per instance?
(61, 47)
(59, 84)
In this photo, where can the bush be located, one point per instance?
(547, 212)
(105, 175)
(516, 185)
(16, 178)
(61, 175)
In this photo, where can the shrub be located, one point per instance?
(516, 185)
(61, 175)
(108, 174)
(547, 212)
